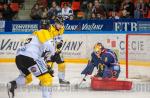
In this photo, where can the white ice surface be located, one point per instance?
(141, 87)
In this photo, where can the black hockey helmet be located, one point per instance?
(59, 20)
(44, 24)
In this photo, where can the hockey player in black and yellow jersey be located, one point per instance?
(58, 29)
(29, 60)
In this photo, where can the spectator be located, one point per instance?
(7, 12)
(147, 9)
(44, 13)
(84, 5)
(88, 10)
(42, 2)
(21, 2)
(93, 16)
(99, 16)
(99, 8)
(36, 12)
(71, 17)
(1, 16)
(54, 10)
(139, 9)
(117, 5)
(39, 2)
(80, 15)
(14, 8)
(1, 7)
(66, 11)
(114, 15)
(128, 9)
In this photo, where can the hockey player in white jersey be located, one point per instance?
(29, 60)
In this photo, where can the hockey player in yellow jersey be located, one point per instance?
(29, 60)
(58, 29)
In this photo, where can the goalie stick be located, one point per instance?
(83, 79)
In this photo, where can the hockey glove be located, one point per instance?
(59, 44)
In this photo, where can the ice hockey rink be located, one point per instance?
(141, 86)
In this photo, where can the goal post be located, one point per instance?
(137, 53)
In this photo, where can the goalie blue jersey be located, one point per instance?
(107, 58)
(107, 64)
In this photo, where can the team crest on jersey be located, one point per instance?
(106, 59)
(33, 69)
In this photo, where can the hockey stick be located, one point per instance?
(83, 79)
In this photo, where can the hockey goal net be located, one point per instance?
(138, 56)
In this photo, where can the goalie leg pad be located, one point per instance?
(109, 84)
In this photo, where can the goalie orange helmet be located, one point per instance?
(98, 47)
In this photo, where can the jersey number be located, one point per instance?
(28, 41)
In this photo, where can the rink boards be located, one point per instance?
(78, 46)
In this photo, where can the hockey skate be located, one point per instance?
(64, 82)
(11, 86)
